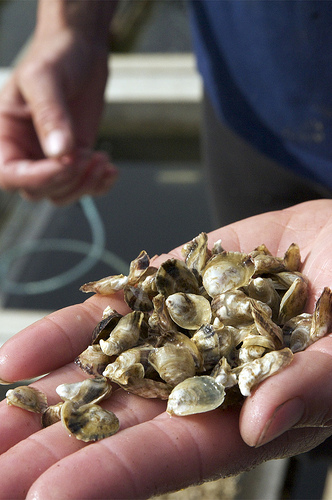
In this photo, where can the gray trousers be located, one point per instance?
(242, 181)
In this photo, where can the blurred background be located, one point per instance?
(150, 128)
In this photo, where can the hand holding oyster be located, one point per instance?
(236, 332)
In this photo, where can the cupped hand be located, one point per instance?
(287, 414)
(49, 114)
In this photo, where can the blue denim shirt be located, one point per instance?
(267, 67)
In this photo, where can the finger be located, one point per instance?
(54, 340)
(53, 443)
(95, 179)
(298, 396)
(17, 424)
(42, 90)
(78, 175)
(165, 454)
(39, 176)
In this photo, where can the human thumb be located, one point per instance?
(298, 396)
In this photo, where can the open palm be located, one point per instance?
(287, 414)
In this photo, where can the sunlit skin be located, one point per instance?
(153, 452)
(51, 106)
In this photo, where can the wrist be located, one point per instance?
(89, 17)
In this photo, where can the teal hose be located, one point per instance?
(94, 252)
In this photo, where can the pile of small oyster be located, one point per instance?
(202, 332)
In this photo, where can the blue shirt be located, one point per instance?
(267, 67)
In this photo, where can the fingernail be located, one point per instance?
(284, 418)
(55, 143)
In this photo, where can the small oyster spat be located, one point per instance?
(138, 267)
(137, 299)
(160, 320)
(265, 326)
(147, 388)
(103, 329)
(180, 340)
(265, 262)
(202, 333)
(174, 364)
(130, 363)
(27, 397)
(305, 329)
(256, 371)
(295, 298)
(195, 395)
(189, 310)
(113, 284)
(125, 335)
(106, 286)
(227, 271)
(297, 332)
(174, 276)
(292, 258)
(217, 247)
(89, 422)
(208, 343)
(322, 317)
(262, 289)
(93, 361)
(52, 415)
(90, 390)
(196, 253)
(232, 308)
(147, 282)
(224, 374)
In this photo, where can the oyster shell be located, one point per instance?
(208, 343)
(174, 276)
(93, 361)
(305, 329)
(138, 267)
(226, 271)
(294, 300)
(137, 299)
(52, 415)
(173, 363)
(89, 422)
(265, 326)
(27, 397)
(292, 258)
(233, 308)
(223, 374)
(217, 247)
(189, 310)
(296, 332)
(262, 289)
(106, 286)
(196, 253)
(160, 320)
(113, 284)
(195, 395)
(322, 317)
(90, 390)
(128, 364)
(125, 335)
(256, 371)
(108, 322)
(147, 388)
(180, 340)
